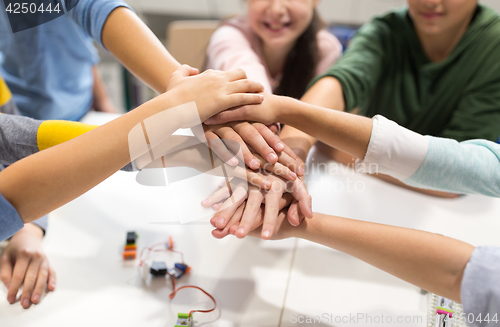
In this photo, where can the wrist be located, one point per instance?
(30, 229)
(284, 109)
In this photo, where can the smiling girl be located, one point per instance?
(279, 43)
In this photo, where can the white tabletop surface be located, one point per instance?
(255, 283)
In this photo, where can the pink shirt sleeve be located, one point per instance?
(330, 51)
(229, 49)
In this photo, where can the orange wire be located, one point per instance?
(174, 292)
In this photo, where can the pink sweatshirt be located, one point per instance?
(235, 45)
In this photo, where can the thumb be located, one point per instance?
(185, 71)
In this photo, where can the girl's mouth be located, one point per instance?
(277, 27)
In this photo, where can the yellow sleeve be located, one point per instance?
(5, 95)
(54, 132)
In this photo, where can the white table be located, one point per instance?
(256, 283)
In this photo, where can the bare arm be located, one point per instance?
(433, 262)
(326, 93)
(138, 49)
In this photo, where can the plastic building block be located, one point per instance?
(129, 254)
(130, 248)
(131, 237)
(179, 270)
(183, 320)
(158, 268)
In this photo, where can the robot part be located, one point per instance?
(130, 248)
(158, 268)
(183, 320)
(179, 270)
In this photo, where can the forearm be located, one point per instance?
(326, 93)
(433, 262)
(138, 49)
(46, 180)
(343, 131)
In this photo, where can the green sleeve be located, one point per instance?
(360, 68)
(478, 113)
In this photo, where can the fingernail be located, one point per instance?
(204, 203)
(298, 160)
(241, 231)
(261, 97)
(266, 234)
(221, 222)
(36, 298)
(280, 147)
(233, 161)
(292, 175)
(254, 163)
(272, 157)
(25, 303)
(7, 285)
(209, 121)
(301, 170)
(11, 299)
(268, 185)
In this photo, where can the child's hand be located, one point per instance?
(267, 113)
(24, 263)
(214, 91)
(232, 211)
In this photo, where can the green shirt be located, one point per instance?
(385, 71)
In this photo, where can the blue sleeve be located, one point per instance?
(43, 223)
(480, 289)
(470, 167)
(10, 222)
(91, 15)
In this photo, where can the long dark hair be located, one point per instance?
(300, 65)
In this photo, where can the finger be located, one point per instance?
(274, 127)
(254, 202)
(271, 207)
(278, 169)
(258, 180)
(235, 74)
(253, 138)
(291, 163)
(30, 280)
(18, 274)
(6, 269)
(235, 219)
(231, 115)
(242, 99)
(292, 154)
(300, 193)
(216, 207)
(293, 214)
(230, 207)
(220, 149)
(245, 86)
(236, 143)
(185, 71)
(51, 286)
(218, 196)
(41, 282)
(270, 137)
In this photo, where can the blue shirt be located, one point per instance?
(10, 222)
(48, 68)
